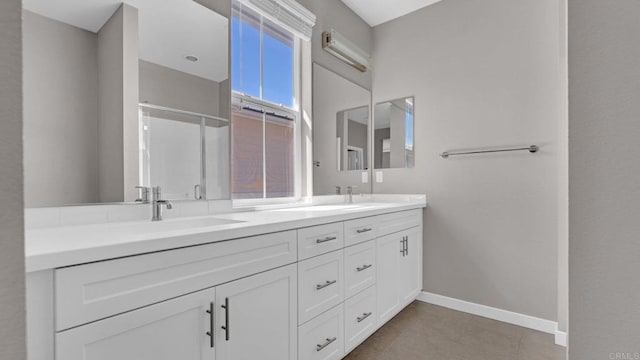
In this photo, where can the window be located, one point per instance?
(265, 113)
(409, 154)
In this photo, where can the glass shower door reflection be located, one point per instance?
(174, 147)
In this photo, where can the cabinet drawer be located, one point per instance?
(323, 337)
(359, 267)
(317, 240)
(360, 315)
(98, 290)
(360, 230)
(394, 222)
(320, 285)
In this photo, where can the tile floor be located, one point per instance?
(425, 332)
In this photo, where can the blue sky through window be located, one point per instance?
(408, 134)
(276, 55)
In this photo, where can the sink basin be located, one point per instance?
(173, 225)
(333, 207)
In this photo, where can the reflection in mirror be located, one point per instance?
(393, 134)
(93, 70)
(352, 130)
(183, 151)
(340, 132)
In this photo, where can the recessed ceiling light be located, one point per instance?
(191, 58)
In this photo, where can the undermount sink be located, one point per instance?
(174, 224)
(333, 207)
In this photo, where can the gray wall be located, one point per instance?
(381, 159)
(604, 192)
(484, 74)
(335, 14)
(397, 136)
(358, 136)
(118, 106)
(61, 112)
(12, 288)
(160, 85)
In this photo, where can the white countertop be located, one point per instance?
(53, 247)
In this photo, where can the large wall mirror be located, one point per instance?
(341, 118)
(124, 94)
(393, 136)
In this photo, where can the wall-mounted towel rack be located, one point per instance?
(532, 149)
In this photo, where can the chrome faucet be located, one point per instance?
(338, 190)
(157, 204)
(143, 194)
(350, 194)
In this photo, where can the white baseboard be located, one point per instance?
(561, 338)
(547, 326)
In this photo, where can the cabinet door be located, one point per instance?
(410, 281)
(174, 329)
(388, 251)
(256, 317)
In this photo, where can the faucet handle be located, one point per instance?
(338, 190)
(157, 192)
(143, 194)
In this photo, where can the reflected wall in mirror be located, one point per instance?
(340, 124)
(393, 136)
(93, 70)
(352, 138)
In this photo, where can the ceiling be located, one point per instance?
(169, 30)
(360, 115)
(376, 12)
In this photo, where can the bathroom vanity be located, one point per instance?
(294, 283)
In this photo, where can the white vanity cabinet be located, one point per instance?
(380, 275)
(174, 329)
(309, 293)
(217, 323)
(256, 317)
(399, 259)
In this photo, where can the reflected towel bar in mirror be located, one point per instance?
(532, 149)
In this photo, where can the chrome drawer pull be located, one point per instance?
(327, 343)
(363, 267)
(360, 231)
(225, 327)
(322, 286)
(364, 316)
(328, 238)
(211, 324)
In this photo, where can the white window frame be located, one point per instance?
(295, 112)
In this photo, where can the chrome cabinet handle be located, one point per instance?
(327, 343)
(322, 286)
(406, 245)
(363, 267)
(402, 250)
(360, 231)
(364, 316)
(328, 238)
(226, 318)
(211, 324)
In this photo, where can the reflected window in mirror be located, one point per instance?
(352, 133)
(265, 114)
(393, 134)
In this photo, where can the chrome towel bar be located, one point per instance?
(532, 149)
